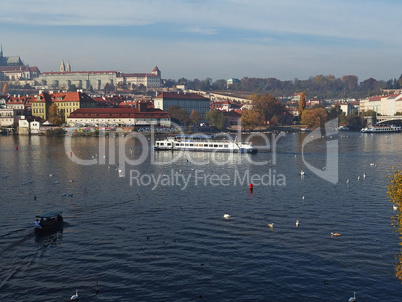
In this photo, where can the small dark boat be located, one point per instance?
(48, 221)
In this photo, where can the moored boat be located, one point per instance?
(48, 221)
(381, 129)
(203, 143)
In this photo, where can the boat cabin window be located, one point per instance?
(220, 146)
(216, 146)
(169, 144)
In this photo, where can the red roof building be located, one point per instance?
(118, 117)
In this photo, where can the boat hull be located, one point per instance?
(49, 229)
(241, 150)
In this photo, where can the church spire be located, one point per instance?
(1, 51)
(62, 66)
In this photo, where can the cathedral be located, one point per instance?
(9, 61)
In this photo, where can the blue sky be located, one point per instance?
(285, 39)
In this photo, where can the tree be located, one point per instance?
(314, 118)
(5, 87)
(216, 118)
(268, 106)
(195, 116)
(394, 194)
(302, 103)
(251, 119)
(178, 115)
(55, 116)
(72, 87)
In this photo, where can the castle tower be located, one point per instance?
(68, 68)
(156, 71)
(62, 66)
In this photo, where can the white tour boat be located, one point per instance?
(203, 143)
(381, 129)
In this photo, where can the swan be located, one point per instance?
(74, 297)
(347, 180)
(358, 177)
(271, 225)
(353, 299)
(297, 223)
(335, 234)
(226, 216)
(303, 197)
(364, 175)
(301, 172)
(395, 207)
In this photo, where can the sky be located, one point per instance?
(219, 39)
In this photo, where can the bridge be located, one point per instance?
(384, 119)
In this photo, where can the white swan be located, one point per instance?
(353, 299)
(301, 172)
(395, 207)
(297, 223)
(226, 216)
(74, 297)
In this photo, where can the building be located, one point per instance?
(67, 102)
(97, 80)
(186, 101)
(232, 81)
(387, 105)
(8, 117)
(88, 80)
(148, 80)
(118, 117)
(12, 68)
(226, 105)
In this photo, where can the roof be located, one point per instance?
(74, 72)
(118, 113)
(187, 96)
(71, 97)
(49, 214)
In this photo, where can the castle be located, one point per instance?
(12, 68)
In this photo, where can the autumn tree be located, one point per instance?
(55, 116)
(5, 87)
(394, 193)
(195, 116)
(251, 119)
(302, 104)
(314, 118)
(177, 114)
(268, 106)
(216, 118)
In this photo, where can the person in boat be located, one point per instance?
(37, 224)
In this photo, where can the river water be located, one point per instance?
(150, 227)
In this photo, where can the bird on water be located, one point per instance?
(74, 297)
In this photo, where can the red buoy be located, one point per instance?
(250, 186)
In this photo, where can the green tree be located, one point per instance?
(216, 118)
(251, 119)
(314, 118)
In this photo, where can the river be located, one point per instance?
(144, 226)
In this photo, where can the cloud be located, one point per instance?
(201, 30)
